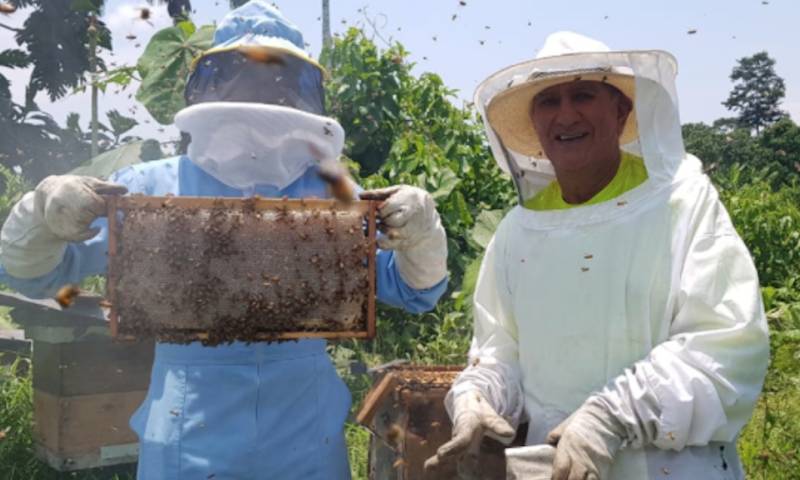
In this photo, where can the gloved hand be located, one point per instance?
(586, 442)
(412, 228)
(534, 462)
(473, 418)
(70, 203)
(60, 210)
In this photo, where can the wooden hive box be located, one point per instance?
(405, 412)
(225, 269)
(85, 387)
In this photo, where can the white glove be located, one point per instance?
(473, 418)
(412, 228)
(60, 210)
(586, 442)
(534, 462)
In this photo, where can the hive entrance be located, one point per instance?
(219, 270)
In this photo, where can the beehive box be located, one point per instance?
(85, 387)
(225, 269)
(405, 412)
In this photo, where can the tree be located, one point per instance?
(782, 141)
(57, 40)
(757, 92)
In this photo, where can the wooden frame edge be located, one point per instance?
(111, 203)
(371, 269)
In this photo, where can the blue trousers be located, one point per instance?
(259, 411)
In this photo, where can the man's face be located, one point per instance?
(579, 123)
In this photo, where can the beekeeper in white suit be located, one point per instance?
(616, 308)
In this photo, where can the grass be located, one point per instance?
(17, 461)
(769, 445)
(357, 449)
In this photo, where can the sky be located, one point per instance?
(466, 43)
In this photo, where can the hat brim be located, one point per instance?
(509, 111)
(265, 44)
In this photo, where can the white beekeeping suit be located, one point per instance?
(650, 300)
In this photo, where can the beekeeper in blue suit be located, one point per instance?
(256, 118)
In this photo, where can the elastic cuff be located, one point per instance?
(425, 264)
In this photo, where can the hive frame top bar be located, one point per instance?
(256, 202)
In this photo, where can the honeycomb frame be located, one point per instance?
(182, 269)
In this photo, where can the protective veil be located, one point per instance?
(649, 300)
(248, 144)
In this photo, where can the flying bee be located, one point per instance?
(7, 8)
(338, 181)
(145, 14)
(261, 55)
(66, 295)
(130, 36)
(395, 434)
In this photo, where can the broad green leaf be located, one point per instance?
(460, 206)
(485, 226)
(188, 27)
(164, 68)
(445, 181)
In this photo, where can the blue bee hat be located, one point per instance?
(257, 56)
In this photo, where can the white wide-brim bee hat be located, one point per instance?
(510, 110)
(646, 77)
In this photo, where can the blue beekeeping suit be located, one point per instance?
(237, 411)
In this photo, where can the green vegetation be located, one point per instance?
(403, 128)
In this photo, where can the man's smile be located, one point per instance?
(570, 137)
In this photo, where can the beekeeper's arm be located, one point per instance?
(486, 398)
(699, 386)
(54, 236)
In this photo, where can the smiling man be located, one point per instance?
(616, 308)
(581, 122)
